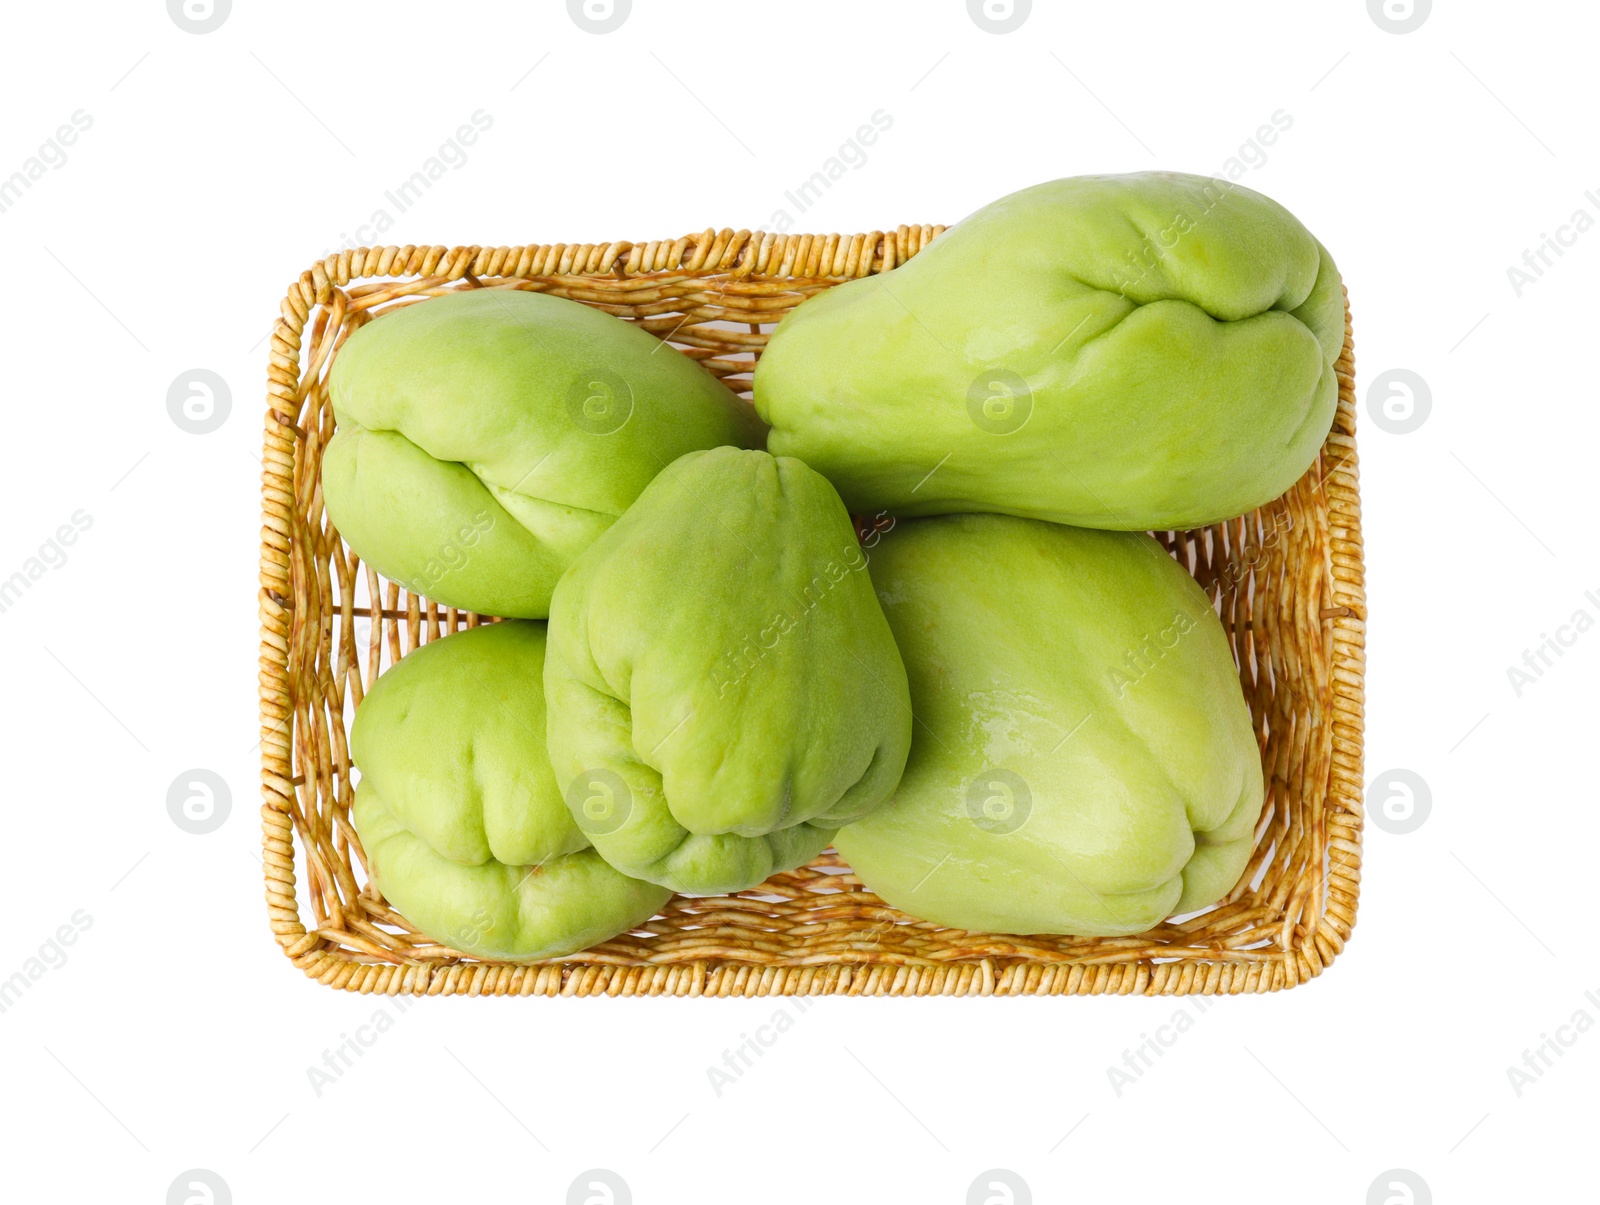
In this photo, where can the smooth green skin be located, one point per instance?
(721, 651)
(1176, 333)
(466, 467)
(464, 830)
(1145, 787)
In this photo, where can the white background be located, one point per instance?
(217, 166)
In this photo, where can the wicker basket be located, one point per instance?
(1287, 581)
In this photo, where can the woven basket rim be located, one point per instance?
(762, 263)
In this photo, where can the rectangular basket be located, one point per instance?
(1286, 580)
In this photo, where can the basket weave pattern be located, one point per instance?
(1287, 581)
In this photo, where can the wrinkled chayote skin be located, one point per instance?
(464, 830)
(487, 437)
(1083, 761)
(723, 689)
(1148, 351)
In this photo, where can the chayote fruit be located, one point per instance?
(1084, 761)
(1137, 352)
(723, 689)
(463, 828)
(487, 437)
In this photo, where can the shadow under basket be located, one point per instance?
(1286, 580)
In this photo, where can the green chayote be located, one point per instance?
(1136, 352)
(488, 436)
(463, 828)
(1084, 760)
(723, 689)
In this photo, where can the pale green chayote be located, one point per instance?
(486, 437)
(1084, 760)
(1138, 352)
(723, 689)
(463, 828)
